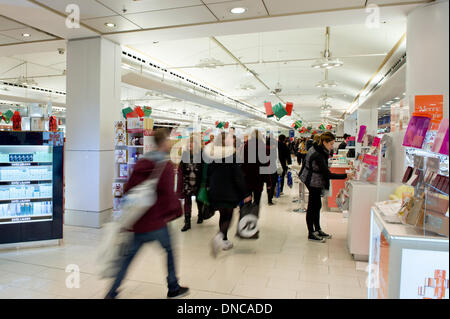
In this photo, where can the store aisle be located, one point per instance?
(280, 264)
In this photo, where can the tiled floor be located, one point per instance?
(282, 263)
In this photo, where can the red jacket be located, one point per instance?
(167, 206)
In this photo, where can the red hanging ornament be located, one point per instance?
(52, 124)
(17, 121)
(289, 108)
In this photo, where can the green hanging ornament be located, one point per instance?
(7, 116)
(147, 111)
(279, 110)
(126, 111)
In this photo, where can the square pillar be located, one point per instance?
(93, 104)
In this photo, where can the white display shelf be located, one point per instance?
(403, 259)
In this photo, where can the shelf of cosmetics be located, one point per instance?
(26, 209)
(25, 173)
(35, 157)
(20, 192)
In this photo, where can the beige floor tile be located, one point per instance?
(347, 291)
(265, 293)
(301, 286)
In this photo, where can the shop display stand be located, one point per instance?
(133, 138)
(409, 257)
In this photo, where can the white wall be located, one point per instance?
(427, 50)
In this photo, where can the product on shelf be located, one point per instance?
(118, 189)
(123, 171)
(361, 133)
(417, 129)
(121, 156)
(441, 141)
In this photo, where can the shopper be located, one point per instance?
(343, 145)
(310, 142)
(271, 178)
(303, 150)
(153, 225)
(316, 176)
(226, 186)
(284, 155)
(251, 165)
(190, 171)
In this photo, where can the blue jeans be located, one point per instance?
(163, 237)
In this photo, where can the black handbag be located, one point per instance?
(207, 212)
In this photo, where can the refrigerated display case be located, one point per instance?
(31, 186)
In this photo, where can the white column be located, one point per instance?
(93, 104)
(427, 52)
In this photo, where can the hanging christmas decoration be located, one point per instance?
(17, 121)
(321, 127)
(52, 124)
(269, 111)
(289, 108)
(329, 127)
(7, 116)
(297, 124)
(279, 111)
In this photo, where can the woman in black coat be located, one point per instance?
(190, 170)
(316, 175)
(226, 186)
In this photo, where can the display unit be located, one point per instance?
(31, 186)
(405, 262)
(362, 196)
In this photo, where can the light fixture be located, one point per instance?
(327, 62)
(26, 35)
(110, 25)
(326, 83)
(238, 10)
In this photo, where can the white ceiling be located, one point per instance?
(362, 49)
(12, 32)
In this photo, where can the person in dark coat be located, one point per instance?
(284, 156)
(343, 144)
(316, 175)
(271, 178)
(152, 226)
(190, 171)
(226, 186)
(310, 142)
(251, 166)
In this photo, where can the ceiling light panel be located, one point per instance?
(88, 9)
(288, 6)
(121, 24)
(172, 17)
(34, 34)
(252, 9)
(144, 6)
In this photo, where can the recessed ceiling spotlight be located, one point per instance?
(26, 35)
(110, 25)
(238, 10)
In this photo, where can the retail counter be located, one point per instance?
(362, 196)
(406, 262)
(336, 184)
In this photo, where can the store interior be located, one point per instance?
(81, 96)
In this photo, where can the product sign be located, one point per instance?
(432, 104)
(424, 274)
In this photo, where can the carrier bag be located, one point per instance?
(289, 179)
(248, 221)
(116, 237)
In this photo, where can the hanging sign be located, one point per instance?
(432, 104)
